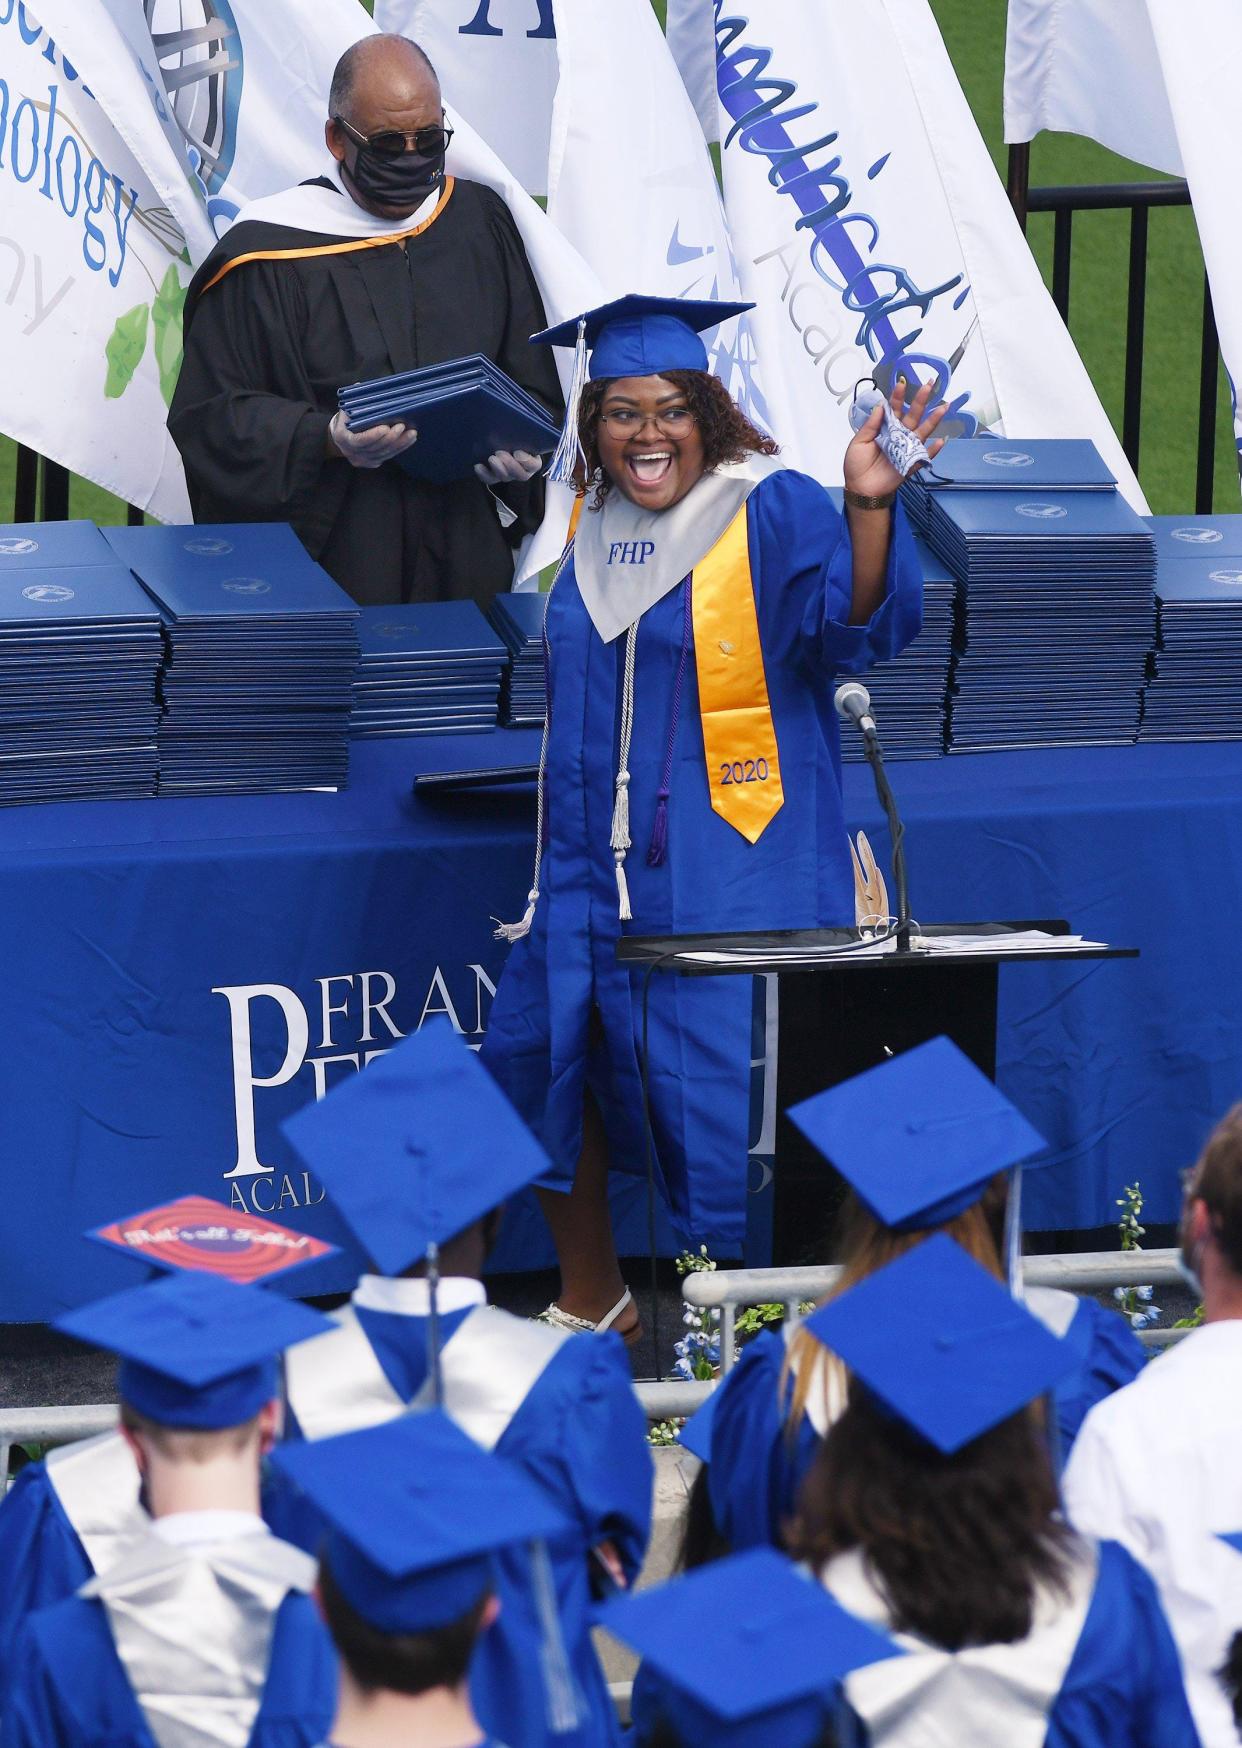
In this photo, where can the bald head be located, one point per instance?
(385, 70)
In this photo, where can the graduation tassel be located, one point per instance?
(433, 1324)
(658, 847)
(569, 451)
(515, 931)
(620, 838)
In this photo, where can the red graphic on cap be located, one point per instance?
(196, 1233)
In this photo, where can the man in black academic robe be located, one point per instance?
(384, 265)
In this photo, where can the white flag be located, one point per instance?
(1159, 84)
(497, 65)
(631, 184)
(870, 227)
(92, 273)
(1091, 67)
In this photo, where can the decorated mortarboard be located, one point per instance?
(417, 1147)
(633, 335)
(415, 1511)
(919, 1137)
(195, 1232)
(195, 1351)
(781, 1645)
(941, 1344)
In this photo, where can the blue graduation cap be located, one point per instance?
(196, 1351)
(633, 335)
(415, 1511)
(941, 1344)
(918, 1138)
(780, 1647)
(417, 1147)
(696, 1434)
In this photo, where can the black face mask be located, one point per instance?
(399, 180)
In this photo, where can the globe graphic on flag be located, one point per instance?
(198, 46)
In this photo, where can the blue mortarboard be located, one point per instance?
(918, 1138)
(941, 1344)
(417, 1147)
(196, 1351)
(415, 1510)
(631, 336)
(643, 336)
(780, 1645)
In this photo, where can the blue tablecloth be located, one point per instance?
(180, 975)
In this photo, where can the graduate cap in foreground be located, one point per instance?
(696, 1434)
(780, 1645)
(919, 1137)
(417, 1147)
(941, 1344)
(197, 1352)
(633, 335)
(415, 1511)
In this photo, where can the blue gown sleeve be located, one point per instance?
(805, 580)
(1112, 1357)
(299, 1700)
(1124, 1687)
(41, 1558)
(756, 1468)
(68, 1689)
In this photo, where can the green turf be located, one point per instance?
(975, 34)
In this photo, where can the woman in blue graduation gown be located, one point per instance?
(692, 776)
(773, 1408)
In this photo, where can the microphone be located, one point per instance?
(853, 704)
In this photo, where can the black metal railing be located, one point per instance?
(1137, 198)
(41, 490)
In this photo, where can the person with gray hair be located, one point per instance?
(383, 263)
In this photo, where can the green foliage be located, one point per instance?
(663, 1433)
(1191, 1322)
(126, 345)
(166, 318)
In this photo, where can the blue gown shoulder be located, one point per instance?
(1111, 1356)
(756, 1465)
(1123, 1687)
(41, 1556)
(43, 1709)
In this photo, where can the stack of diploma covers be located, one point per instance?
(80, 650)
(261, 648)
(909, 694)
(463, 410)
(1056, 609)
(519, 620)
(1194, 691)
(432, 669)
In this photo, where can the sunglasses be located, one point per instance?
(428, 142)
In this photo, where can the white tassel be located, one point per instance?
(620, 839)
(623, 890)
(569, 450)
(514, 931)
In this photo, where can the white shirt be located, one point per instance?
(1158, 1467)
(189, 1529)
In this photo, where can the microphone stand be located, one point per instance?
(896, 830)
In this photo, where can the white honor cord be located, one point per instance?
(621, 806)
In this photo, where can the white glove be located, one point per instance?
(505, 469)
(370, 448)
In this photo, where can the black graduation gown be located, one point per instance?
(268, 345)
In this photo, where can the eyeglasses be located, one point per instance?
(427, 142)
(628, 421)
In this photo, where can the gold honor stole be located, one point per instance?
(739, 736)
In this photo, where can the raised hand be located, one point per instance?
(868, 470)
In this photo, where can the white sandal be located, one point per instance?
(583, 1326)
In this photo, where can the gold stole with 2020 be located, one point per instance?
(739, 737)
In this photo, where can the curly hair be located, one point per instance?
(727, 433)
(957, 1545)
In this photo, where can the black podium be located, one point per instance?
(846, 1005)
